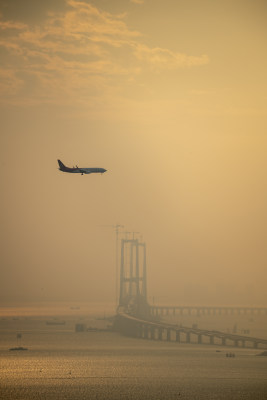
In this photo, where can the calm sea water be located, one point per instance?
(62, 364)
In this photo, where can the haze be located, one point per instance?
(170, 98)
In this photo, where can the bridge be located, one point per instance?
(206, 310)
(136, 318)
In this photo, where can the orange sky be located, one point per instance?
(170, 98)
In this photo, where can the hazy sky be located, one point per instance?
(170, 97)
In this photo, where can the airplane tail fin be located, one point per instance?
(61, 165)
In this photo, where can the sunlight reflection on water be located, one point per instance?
(62, 364)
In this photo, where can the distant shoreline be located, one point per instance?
(54, 309)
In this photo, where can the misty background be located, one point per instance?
(170, 98)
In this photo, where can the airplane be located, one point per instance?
(77, 170)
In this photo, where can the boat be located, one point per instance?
(55, 322)
(19, 348)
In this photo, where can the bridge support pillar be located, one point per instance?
(211, 339)
(159, 333)
(139, 331)
(152, 333)
(168, 335)
(236, 343)
(199, 339)
(243, 343)
(178, 337)
(188, 337)
(145, 332)
(223, 341)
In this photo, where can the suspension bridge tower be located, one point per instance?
(133, 278)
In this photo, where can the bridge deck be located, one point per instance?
(147, 328)
(214, 310)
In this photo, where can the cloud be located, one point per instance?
(137, 1)
(80, 53)
(10, 25)
(159, 59)
(9, 83)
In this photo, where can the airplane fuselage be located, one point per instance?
(77, 170)
(84, 170)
